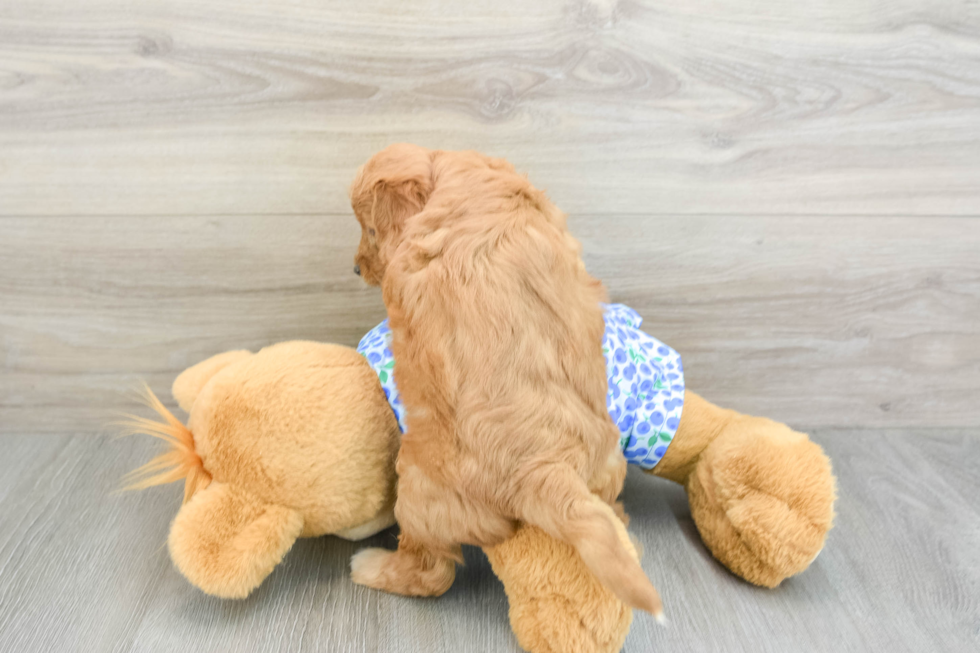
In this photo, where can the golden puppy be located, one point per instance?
(497, 334)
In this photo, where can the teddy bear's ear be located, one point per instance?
(188, 383)
(226, 542)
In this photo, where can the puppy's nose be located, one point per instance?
(357, 270)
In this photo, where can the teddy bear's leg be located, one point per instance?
(761, 494)
(226, 542)
(556, 604)
(188, 383)
(762, 497)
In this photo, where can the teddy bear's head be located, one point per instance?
(296, 440)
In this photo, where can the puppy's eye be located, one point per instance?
(371, 231)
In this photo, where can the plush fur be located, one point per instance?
(761, 494)
(294, 441)
(762, 497)
(227, 541)
(556, 603)
(497, 331)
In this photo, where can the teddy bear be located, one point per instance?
(300, 440)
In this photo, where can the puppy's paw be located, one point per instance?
(367, 567)
(403, 572)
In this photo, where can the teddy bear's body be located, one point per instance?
(299, 440)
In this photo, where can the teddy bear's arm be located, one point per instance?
(226, 542)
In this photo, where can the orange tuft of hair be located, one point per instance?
(180, 461)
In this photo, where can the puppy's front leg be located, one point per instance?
(412, 570)
(422, 565)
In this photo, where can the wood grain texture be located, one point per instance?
(83, 569)
(789, 194)
(837, 322)
(775, 189)
(900, 570)
(182, 107)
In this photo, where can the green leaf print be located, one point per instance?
(388, 365)
(383, 376)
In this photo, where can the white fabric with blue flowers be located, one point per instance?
(646, 383)
(646, 386)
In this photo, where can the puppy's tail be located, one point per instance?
(559, 502)
(179, 461)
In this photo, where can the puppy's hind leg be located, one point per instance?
(425, 563)
(607, 483)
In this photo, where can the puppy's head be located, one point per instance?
(390, 188)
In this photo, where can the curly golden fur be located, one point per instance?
(497, 334)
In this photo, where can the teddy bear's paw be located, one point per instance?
(402, 572)
(762, 497)
(556, 604)
(558, 623)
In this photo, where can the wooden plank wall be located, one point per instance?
(790, 194)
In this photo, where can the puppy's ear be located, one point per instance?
(395, 202)
(402, 183)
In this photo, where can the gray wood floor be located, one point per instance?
(83, 569)
(788, 192)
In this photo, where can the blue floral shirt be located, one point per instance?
(646, 383)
